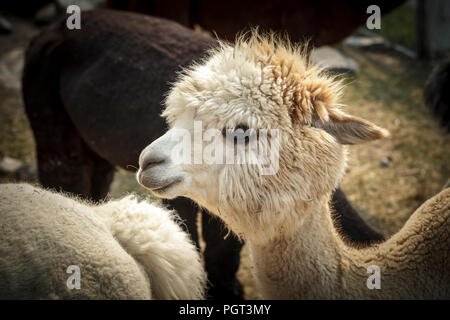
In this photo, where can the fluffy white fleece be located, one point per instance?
(125, 249)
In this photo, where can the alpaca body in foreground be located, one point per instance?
(263, 83)
(125, 249)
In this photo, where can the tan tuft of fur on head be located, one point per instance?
(307, 90)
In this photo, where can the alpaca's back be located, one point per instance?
(418, 256)
(43, 233)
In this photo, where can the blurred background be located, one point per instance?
(385, 71)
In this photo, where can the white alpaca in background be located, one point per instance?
(124, 249)
(262, 83)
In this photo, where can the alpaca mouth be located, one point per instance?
(165, 187)
(156, 185)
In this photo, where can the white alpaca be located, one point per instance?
(263, 83)
(125, 249)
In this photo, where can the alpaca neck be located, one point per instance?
(304, 264)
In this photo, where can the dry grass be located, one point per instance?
(16, 138)
(388, 91)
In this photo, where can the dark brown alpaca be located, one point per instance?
(437, 93)
(93, 97)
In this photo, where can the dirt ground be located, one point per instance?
(387, 90)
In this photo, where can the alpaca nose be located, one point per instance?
(149, 160)
(150, 157)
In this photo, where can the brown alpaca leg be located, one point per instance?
(64, 163)
(187, 210)
(222, 258)
(102, 178)
(347, 220)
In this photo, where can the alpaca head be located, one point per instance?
(291, 111)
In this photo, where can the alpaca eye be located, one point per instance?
(240, 132)
(242, 127)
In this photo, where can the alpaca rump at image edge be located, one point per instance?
(125, 249)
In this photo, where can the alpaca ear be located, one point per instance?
(348, 129)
